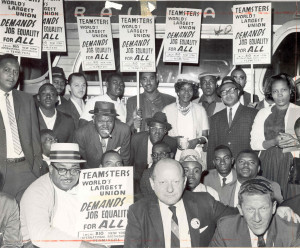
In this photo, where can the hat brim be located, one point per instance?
(219, 89)
(168, 125)
(65, 160)
(102, 113)
(217, 76)
(57, 76)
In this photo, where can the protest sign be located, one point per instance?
(137, 43)
(105, 195)
(21, 27)
(182, 35)
(96, 43)
(54, 37)
(252, 33)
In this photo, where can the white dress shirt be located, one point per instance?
(9, 139)
(254, 239)
(236, 193)
(149, 151)
(229, 178)
(183, 225)
(234, 109)
(50, 121)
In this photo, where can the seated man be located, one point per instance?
(48, 215)
(224, 173)
(142, 143)
(192, 165)
(102, 134)
(247, 166)
(47, 139)
(51, 118)
(111, 158)
(256, 225)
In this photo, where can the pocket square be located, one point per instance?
(201, 230)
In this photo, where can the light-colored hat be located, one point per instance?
(190, 155)
(65, 152)
(189, 78)
(217, 75)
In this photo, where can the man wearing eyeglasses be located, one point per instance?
(48, 206)
(232, 125)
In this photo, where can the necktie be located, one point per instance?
(174, 228)
(230, 117)
(261, 241)
(103, 142)
(13, 126)
(224, 181)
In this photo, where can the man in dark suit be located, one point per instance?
(102, 134)
(20, 147)
(224, 173)
(142, 143)
(256, 226)
(51, 118)
(232, 125)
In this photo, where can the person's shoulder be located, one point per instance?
(66, 117)
(121, 126)
(197, 106)
(6, 199)
(246, 109)
(289, 227)
(229, 221)
(218, 115)
(167, 96)
(22, 94)
(169, 106)
(143, 204)
(39, 185)
(132, 100)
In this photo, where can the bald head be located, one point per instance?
(167, 164)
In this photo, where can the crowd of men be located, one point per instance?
(46, 140)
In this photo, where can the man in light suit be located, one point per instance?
(20, 145)
(197, 213)
(232, 125)
(224, 173)
(256, 226)
(102, 134)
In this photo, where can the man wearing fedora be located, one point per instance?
(232, 125)
(48, 212)
(209, 100)
(104, 133)
(142, 143)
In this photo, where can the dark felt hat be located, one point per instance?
(58, 72)
(229, 80)
(104, 108)
(161, 118)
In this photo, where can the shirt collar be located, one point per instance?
(228, 177)
(234, 107)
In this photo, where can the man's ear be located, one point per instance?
(240, 210)
(171, 155)
(38, 98)
(232, 161)
(151, 183)
(274, 207)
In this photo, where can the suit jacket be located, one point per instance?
(212, 179)
(236, 137)
(247, 98)
(91, 148)
(228, 192)
(280, 233)
(72, 111)
(63, 127)
(145, 227)
(28, 128)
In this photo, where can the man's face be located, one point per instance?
(47, 97)
(104, 125)
(193, 171)
(47, 140)
(223, 162)
(112, 160)
(230, 98)
(59, 84)
(159, 152)
(78, 87)
(148, 81)
(208, 85)
(258, 211)
(247, 166)
(9, 74)
(116, 86)
(168, 182)
(64, 180)
(240, 77)
(157, 132)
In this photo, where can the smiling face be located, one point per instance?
(230, 99)
(281, 93)
(78, 87)
(258, 211)
(208, 85)
(115, 86)
(247, 166)
(148, 81)
(47, 97)
(185, 94)
(9, 74)
(104, 124)
(193, 171)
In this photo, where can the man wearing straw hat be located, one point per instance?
(48, 206)
(102, 134)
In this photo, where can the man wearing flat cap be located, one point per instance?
(142, 143)
(104, 133)
(49, 205)
(232, 125)
(209, 100)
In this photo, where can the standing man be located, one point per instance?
(114, 93)
(232, 125)
(209, 100)
(151, 101)
(104, 133)
(20, 145)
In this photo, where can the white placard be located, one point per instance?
(21, 27)
(96, 44)
(54, 37)
(137, 43)
(105, 195)
(252, 33)
(182, 35)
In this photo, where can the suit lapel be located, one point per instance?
(155, 216)
(237, 115)
(42, 123)
(271, 235)
(16, 105)
(243, 233)
(224, 117)
(58, 120)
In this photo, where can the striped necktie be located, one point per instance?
(103, 143)
(13, 126)
(261, 242)
(174, 228)
(224, 181)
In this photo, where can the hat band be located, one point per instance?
(64, 155)
(104, 111)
